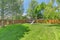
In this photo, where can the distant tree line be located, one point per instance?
(14, 9)
(43, 10)
(11, 10)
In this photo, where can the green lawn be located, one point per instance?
(43, 32)
(30, 32)
(13, 32)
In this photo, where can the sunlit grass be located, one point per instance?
(43, 32)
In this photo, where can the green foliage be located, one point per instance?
(58, 2)
(31, 8)
(43, 10)
(39, 9)
(11, 8)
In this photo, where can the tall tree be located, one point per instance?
(58, 8)
(58, 3)
(39, 9)
(12, 7)
(31, 8)
(2, 11)
(2, 7)
(17, 8)
(50, 11)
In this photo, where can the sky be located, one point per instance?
(26, 3)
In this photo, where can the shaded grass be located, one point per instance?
(13, 32)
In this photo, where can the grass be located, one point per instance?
(30, 32)
(12, 32)
(43, 32)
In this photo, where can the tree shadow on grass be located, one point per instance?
(13, 32)
(56, 25)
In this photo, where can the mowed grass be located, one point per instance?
(30, 32)
(42, 32)
(13, 32)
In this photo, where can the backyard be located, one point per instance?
(29, 19)
(28, 31)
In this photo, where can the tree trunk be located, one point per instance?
(2, 13)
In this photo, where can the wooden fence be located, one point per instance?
(29, 21)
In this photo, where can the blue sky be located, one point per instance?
(26, 3)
